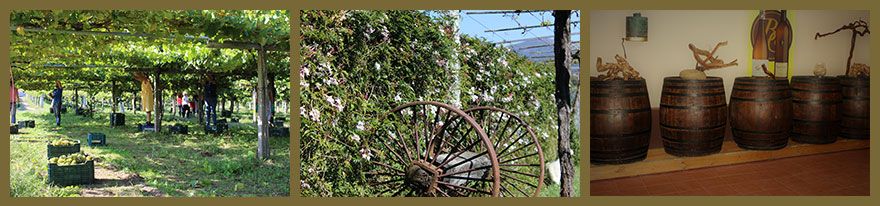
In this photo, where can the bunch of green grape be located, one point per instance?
(61, 142)
(70, 159)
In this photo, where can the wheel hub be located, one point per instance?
(423, 176)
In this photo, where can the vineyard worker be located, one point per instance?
(57, 97)
(210, 94)
(146, 95)
(184, 106)
(194, 109)
(179, 104)
(13, 98)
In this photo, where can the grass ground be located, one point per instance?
(197, 164)
(552, 190)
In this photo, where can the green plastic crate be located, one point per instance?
(53, 151)
(72, 174)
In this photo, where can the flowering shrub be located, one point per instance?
(358, 65)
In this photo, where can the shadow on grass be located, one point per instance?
(196, 164)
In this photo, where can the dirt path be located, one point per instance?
(110, 182)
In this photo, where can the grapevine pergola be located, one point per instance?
(100, 49)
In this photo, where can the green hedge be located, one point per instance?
(357, 65)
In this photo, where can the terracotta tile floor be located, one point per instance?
(833, 174)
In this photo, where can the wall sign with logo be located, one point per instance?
(771, 37)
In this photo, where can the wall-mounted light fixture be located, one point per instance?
(636, 30)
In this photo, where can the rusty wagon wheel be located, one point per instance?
(520, 157)
(432, 149)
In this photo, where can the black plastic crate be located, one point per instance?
(179, 129)
(27, 123)
(279, 132)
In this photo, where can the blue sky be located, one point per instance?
(471, 25)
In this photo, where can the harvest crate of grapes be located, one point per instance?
(72, 169)
(62, 147)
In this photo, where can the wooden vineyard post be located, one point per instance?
(263, 109)
(134, 99)
(562, 60)
(114, 100)
(157, 100)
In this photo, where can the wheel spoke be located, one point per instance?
(437, 188)
(469, 147)
(393, 151)
(506, 176)
(388, 182)
(415, 139)
(519, 165)
(398, 192)
(468, 159)
(387, 166)
(521, 191)
(466, 171)
(514, 159)
(501, 153)
(377, 173)
(402, 143)
(518, 172)
(468, 178)
(450, 185)
(455, 147)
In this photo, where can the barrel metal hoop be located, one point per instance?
(761, 99)
(691, 141)
(693, 129)
(816, 102)
(665, 93)
(692, 107)
(618, 111)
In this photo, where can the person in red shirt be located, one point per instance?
(179, 104)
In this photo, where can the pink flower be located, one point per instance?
(315, 115)
(366, 154)
(335, 102)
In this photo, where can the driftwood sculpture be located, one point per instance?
(854, 27)
(706, 60)
(819, 70)
(859, 69)
(769, 74)
(619, 70)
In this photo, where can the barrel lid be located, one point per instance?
(597, 81)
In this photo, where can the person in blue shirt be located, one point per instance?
(210, 94)
(56, 101)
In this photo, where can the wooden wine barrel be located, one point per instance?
(693, 116)
(855, 110)
(815, 102)
(620, 121)
(760, 112)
